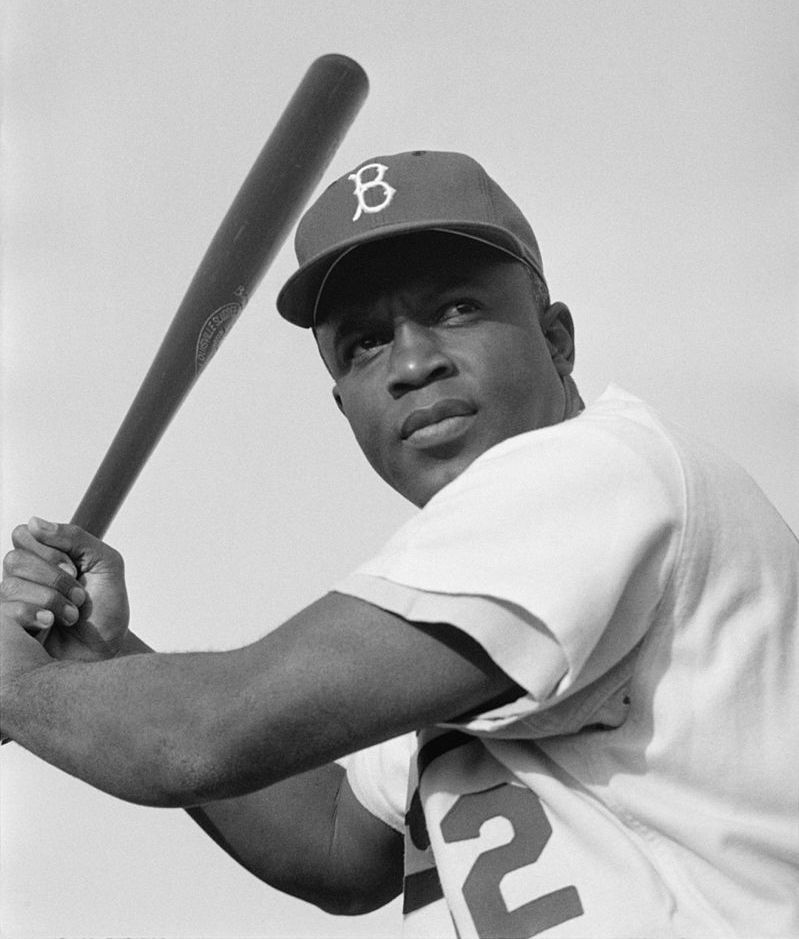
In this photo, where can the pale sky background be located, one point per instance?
(654, 147)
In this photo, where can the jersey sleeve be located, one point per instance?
(552, 551)
(378, 777)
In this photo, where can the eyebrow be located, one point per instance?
(344, 321)
(343, 326)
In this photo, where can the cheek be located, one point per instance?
(525, 386)
(366, 424)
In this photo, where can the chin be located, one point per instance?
(420, 493)
(426, 474)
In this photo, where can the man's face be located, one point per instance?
(437, 350)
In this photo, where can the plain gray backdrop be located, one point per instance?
(653, 146)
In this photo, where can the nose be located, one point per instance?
(417, 358)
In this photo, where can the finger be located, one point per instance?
(31, 617)
(20, 596)
(23, 538)
(27, 566)
(88, 552)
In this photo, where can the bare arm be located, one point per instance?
(307, 836)
(243, 729)
(182, 729)
(310, 837)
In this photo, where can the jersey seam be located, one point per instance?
(678, 551)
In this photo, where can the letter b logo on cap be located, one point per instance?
(376, 181)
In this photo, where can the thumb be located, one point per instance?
(87, 552)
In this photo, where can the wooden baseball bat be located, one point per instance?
(281, 181)
(273, 194)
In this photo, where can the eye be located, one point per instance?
(361, 346)
(456, 311)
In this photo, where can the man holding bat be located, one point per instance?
(570, 681)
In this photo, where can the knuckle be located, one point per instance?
(20, 611)
(11, 611)
(63, 583)
(14, 561)
(20, 532)
(9, 589)
(74, 534)
(9, 561)
(15, 592)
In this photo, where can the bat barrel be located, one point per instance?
(260, 218)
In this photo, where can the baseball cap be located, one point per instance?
(388, 196)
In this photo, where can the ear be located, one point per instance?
(558, 328)
(337, 399)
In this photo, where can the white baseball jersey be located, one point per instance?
(644, 593)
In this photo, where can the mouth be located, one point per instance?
(439, 423)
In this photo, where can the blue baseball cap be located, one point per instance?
(389, 196)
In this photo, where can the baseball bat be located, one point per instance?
(281, 181)
(270, 199)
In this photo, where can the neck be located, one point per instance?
(574, 403)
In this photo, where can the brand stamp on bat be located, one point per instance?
(214, 330)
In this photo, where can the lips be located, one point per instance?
(434, 414)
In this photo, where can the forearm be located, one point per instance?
(276, 832)
(185, 729)
(286, 835)
(140, 727)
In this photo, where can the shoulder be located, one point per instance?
(617, 446)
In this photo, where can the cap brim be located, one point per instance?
(298, 298)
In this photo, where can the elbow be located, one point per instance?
(350, 901)
(172, 772)
(360, 906)
(330, 894)
(340, 889)
(345, 906)
(363, 889)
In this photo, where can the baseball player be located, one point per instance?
(569, 682)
